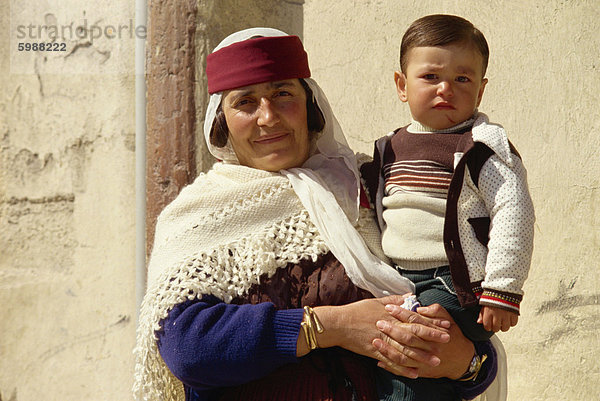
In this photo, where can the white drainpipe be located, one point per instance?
(141, 7)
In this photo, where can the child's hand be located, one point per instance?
(496, 319)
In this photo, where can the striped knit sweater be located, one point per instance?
(417, 168)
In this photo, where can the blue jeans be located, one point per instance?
(432, 286)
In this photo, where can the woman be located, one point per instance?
(275, 228)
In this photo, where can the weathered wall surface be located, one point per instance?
(543, 87)
(66, 206)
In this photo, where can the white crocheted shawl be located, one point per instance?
(220, 235)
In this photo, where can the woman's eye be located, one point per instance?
(283, 93)
(242, 102)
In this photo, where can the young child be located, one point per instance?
(450, 190)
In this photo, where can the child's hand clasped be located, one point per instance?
(496, 319)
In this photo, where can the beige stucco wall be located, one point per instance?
(544, 85)
(66, 207)
(67, 226)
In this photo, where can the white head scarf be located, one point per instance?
(328, 185)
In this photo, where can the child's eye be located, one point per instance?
(429, 77)
(462, 79)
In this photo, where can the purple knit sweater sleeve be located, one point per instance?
(471, 389)
(211, 344)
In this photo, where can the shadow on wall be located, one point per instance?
(565, 301)
(567, 304)
(13, 396)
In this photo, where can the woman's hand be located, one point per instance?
(350, 326)
(413, 346)
(354, 326)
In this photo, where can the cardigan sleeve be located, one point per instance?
(468, 390)
(209, 344)
(504, 190)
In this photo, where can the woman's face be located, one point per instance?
(267, 124)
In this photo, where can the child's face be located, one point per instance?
(443, 85)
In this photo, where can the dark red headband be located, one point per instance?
(253, 61)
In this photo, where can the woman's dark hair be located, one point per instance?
(219, 131)
(315, 120)
(314, 116)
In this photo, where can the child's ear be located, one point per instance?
(400, 80)
(484, 81)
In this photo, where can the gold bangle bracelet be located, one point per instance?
(311, 325)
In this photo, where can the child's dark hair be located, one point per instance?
(220, 132)
(441, 30)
